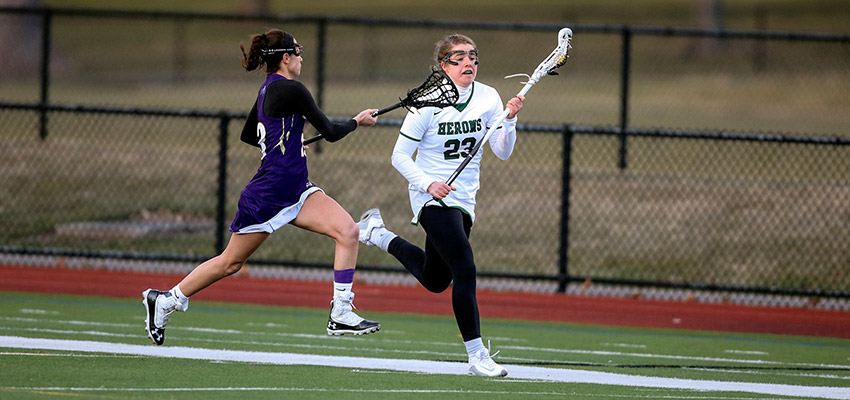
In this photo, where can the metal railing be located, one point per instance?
(570, 247)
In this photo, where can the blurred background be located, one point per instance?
(784, 15)
(691, 145)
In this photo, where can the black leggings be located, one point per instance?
(447, 256)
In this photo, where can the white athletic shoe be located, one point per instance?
(371, 225)
(158, 306)
(482, 364)
(342, 318)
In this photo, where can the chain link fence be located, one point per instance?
(661, 157)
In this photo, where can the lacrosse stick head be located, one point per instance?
(437, 91)
(557, 58)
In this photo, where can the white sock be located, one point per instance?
(342, 288)
(384, 239)
(179, 296)
(473, 346)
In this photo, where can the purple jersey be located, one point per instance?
(282, 176)
(276, 125)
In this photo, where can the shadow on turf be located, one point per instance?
(717, 367)
(673, 366)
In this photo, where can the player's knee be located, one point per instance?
(465, 275)
(437, 286)
(231, 266)
(348, 234)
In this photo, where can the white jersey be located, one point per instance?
(443, 137)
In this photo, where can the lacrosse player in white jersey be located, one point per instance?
(443, 137)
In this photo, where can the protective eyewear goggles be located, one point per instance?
(297, 50)
(456, 57)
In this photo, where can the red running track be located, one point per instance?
(492, 304)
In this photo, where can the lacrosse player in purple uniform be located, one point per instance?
(280, 192)
(442, 138)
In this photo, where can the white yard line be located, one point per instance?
(750, 352)
(361, 340)
(421, 366)
(670, 356)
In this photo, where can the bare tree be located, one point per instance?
(708, 15)
(20, 40)
(254, 6)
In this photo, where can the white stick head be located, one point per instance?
(565, 34)
(557, 58)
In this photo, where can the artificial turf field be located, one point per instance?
(54, 345)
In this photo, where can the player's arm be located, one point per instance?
(291, 97)
(412, 131)
(249, 131)
(402, 160)
(502, 141)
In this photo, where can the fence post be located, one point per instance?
(320, 70)
(47, 18)
(760, 47)
(179, 48)
(320, 62)
(564, 245)
(624, 95)
(224, 123)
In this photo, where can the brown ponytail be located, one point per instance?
(254, 59)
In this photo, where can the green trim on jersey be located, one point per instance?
(461, 106)
(415, 140)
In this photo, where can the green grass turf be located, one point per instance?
(726, 357)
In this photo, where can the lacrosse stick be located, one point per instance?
(556, 59)
(437, 91)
